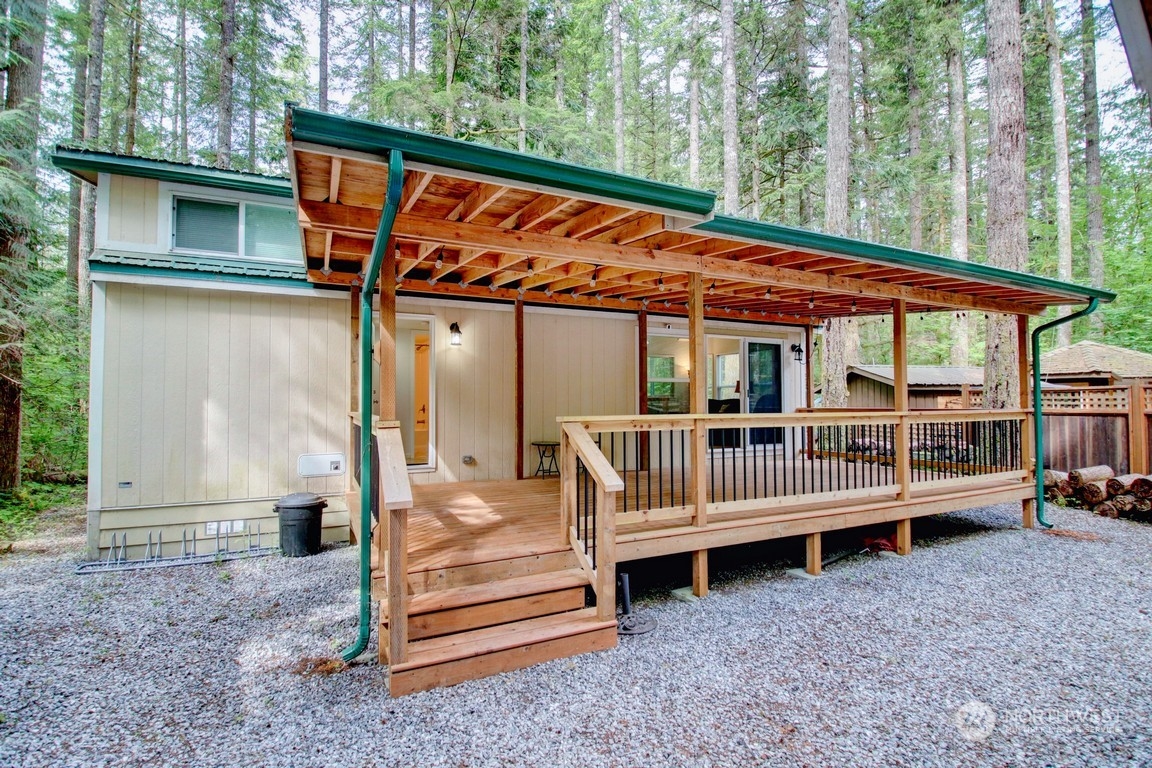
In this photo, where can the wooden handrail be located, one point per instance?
(651, 423)
(395, 503)
(595, 463)
(395, 489)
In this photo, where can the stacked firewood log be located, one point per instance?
(1100, 490)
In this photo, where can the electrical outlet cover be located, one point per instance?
(320, 464)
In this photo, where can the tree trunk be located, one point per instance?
(182, 78)
(322, 96)
(522, 135)
(958, 166)
(137, 19)
(412, 37)
(450, 70)
(1007, 193)
(731, 141)
(1063, 174)
(79, 86)
(93, 88)
(400, 40)
(227, 70)
(797, 22)
(25, 73)
(754, 106)
(840, 339)
(1092, 172)
(693, 101)
(617, 82)
(915, 197)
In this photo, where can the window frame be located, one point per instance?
(177, 193)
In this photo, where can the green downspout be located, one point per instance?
(371, 274)
(1037, 416)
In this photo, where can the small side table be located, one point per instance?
(546, 450)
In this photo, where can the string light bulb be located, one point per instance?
(812, 300)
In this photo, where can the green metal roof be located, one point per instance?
(224, 269)
(308, 125)
(776, 234)
(86, 163)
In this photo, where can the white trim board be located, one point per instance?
(215, 285)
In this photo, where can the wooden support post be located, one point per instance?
(568, 482)
(904, 537)
(698, 404)
(809, 350)
(606, 555)
(520, 389)
(397, 586)
(354, 371)
(900, 385)
(642, 347)
(1137, 431)
(700, 573)
(1029, 462)
(813, 555)
(387, 284)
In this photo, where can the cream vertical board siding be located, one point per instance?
(575, 364)
(475, 398)
(132, 210)
(212, 395)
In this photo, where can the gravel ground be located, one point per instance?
(1042, 643)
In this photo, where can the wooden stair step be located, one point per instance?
(478, 642)
(481, 653)
(505, 589)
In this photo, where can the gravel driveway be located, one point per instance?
(1041, 643)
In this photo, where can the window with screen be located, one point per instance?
(200, 225)
(270, 233)
(248, 230)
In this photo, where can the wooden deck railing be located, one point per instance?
(395, 505)
(588, 488)
(758, 463)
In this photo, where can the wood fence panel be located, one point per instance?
(1072, 441)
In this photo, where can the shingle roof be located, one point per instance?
(1094, 357)
(925, 375)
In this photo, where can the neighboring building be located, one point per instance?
(1092, 364)
(929, 386)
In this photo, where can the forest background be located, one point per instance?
(744, 98)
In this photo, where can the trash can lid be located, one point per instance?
(300, 500)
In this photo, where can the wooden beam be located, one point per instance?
(530, 243)
(700, 573)
(1030, 462)
(476, 202)
(642, 367)
(334, 180)
(519, 320)
(589, 221)
(414, 185)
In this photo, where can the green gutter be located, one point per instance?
(1037, 415)
(86, 164)
(371, 275)
(307, 125)
(803, 239)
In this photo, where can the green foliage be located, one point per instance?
(19, 509)
(55, 430)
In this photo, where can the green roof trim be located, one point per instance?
(777, 234)
(204, 268)
(86, 164)
(308, 125)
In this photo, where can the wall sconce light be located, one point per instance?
(454, 336)
(798, 353)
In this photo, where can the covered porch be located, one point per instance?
(476, 578)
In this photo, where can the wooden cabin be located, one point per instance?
(1093, 364)
(442, 312)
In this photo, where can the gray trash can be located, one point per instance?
(300, 523)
